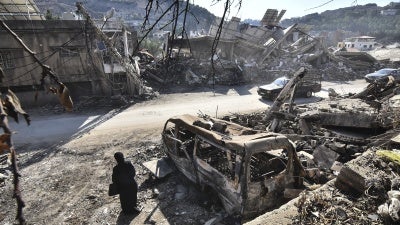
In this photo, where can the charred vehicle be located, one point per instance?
(249, 170)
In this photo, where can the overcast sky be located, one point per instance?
(255, 9)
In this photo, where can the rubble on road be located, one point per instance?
(159, 167)
(354, 197)
(337, 140)
(256, 54)
(329, 153)
(249, 54)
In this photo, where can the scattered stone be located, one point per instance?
(337, 166)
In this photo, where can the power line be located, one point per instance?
(52, 52)
(46, 58)
(25, 56)
(15, 78)
(319, 5)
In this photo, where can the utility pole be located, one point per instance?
(135, 84)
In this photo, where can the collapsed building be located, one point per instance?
(259, 53)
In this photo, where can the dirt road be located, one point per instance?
(152, 114)
(67, 182)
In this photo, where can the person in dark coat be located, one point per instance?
(124, 178)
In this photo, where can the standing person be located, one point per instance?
(124, 178)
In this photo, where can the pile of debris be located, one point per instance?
(194, 72)
(248, 53)
(337, 140)
(358, 195)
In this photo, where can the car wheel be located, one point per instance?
(308, 94)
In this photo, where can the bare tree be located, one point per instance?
(180, 10)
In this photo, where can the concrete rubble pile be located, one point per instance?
(250, 53)
(335, 201)
(336, 139)
(340, 140)
(317, 154)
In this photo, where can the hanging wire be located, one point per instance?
(44, 59)
(216, 40)
(31, 70)
(319, 5)
(89, 44)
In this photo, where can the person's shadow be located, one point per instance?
(125, 219)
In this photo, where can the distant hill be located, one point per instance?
(354, 21)
(127, 10)
(334, 24)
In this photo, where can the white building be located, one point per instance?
(389, 12)
(361, 43)
(160, 34)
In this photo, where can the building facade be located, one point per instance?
(362, 43)
(62, 45)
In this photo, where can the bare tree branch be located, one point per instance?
(216, 39)
(16, 175)
(152, 27)
(64, 96)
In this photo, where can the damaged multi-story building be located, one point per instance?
(251, 42)
(69, 47)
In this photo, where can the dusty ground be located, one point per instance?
(66, 161)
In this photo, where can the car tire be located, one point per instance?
(308, 94)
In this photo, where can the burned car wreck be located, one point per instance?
(248, 169)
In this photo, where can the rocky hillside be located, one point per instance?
(356, 20)
(128, 10)
(335, 24)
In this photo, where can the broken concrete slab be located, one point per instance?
(344, 113)
(341, 119)
(160, 167)
(338, 147)
(325, 157)
(350, 180)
